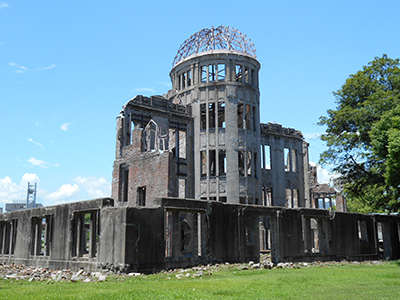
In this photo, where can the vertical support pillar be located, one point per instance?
(10, 250)
(276, 249)
(93, 234)
(176, 237)
(307, 235)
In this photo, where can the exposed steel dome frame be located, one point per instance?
(221, 37)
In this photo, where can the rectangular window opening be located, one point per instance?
(189, 78)
(254, 119)
(123, 183)
(211, 73)
(239, 75)
(183, 80)
(362, 231)
(221, 114)
(211, 115)
(286, 153)
(267, 157)
(141, 196)
(249, 163)
(204, 74)
(212, 162)
(221, 72)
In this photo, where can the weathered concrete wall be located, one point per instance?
(179, 233)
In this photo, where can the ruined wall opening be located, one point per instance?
(286, 154)
(266, 157)
(155, 137)
(123, 183)
(141, 196)
(8, 236)
(84, 231)
(266, 194)
(264, 234)
(41, 236)
(184, 234)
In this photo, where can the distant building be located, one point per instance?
(20, 205)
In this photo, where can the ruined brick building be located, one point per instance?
(198, 179)
(203, 139)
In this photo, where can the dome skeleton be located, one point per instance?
(218, 38)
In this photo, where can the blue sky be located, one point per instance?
(67, 67)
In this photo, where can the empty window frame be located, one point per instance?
(294, 160)
(253, 77)
(221, 114)
(203, 117)
(266, 157)
(286, 154)
(183, 80)
(8, 236)
(239, 73)
(85, 233)
(204, 74)
(221, 72)
(222, 163)
(123, 183)
(141, 196)
(211, 73)
(211, 115)
(41, 236)
(189, 78)
(212, 163)
(240, 115)
(203, 163)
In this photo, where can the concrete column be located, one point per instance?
(176, 236)
(307, 235)
(93, 234)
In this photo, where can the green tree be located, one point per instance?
(363, 145)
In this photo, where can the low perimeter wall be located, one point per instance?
(178, 233)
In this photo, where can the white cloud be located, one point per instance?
(63, 193)
(144, 90)
(36, 143)
(312, 136)
(3, 5)
(65, 126)
(95, 187)
(47, 68)
(38, 124)
(11, 191)
(41, 163)
(19, 69)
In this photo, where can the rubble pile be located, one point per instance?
(22, 272)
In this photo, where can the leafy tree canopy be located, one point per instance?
(363, 137)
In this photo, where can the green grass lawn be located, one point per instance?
(327, 282)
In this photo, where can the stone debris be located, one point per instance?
(21, 272)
